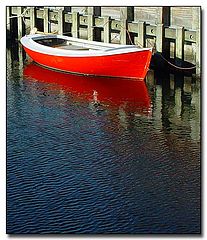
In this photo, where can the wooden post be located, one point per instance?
(90, 27)
(8, 23)
(141, 34)
(20, 24)
(75, 24)
(163, 20)
(46, 19)
(32, 17)
(107, 29)
(9, 35)
(126, 15)
(198, 52)
(179, 52)
(123, 31)
(160, 37)
(95, 32)
(196, 25)
(60, 22)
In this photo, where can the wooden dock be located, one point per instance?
(178, 43)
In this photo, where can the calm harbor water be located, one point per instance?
(128, 165)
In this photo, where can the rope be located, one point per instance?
(128, 33)
(116, 36)
(175, 66)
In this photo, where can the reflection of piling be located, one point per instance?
(96, 102)
(177, 41)
(176, 100)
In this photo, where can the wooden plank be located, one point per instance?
(99, 22)
(163, 21)
(190, 36)
(160, 37)
(8, 20)
(196, 24)
(179, 52)
(53, 15)
(46, 20)
(116, 25)
(20, 24)
(95, 12)
(107, 29)
(196, 17)
(182, 16)
(123, 32)
(170, 33)
(132, 26)
(90, 27)
(140, 40)
(60, 22)
(27, 13)
(68, 17)
(151, 30)
(198, 52)
(84, 20)
(40, 13)
(32, 17)
(14, 10)
(75, 24)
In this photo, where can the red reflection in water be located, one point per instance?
(132, 94)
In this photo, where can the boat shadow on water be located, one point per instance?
(100, 92)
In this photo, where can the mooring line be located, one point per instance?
(175, 66)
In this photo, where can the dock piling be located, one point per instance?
(75, 24)
(46, 19)
(107, 29)
(20, 23)
(179, 45)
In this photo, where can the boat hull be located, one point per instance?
(127, 65)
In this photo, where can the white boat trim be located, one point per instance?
(96, 48)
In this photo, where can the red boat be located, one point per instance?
(123, 93)
(85, 57)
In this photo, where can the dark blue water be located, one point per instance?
(130, 165)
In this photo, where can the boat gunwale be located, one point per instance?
(106, 49)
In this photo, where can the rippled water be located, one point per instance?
(129, 165)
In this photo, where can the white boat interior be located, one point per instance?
(69, 46)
